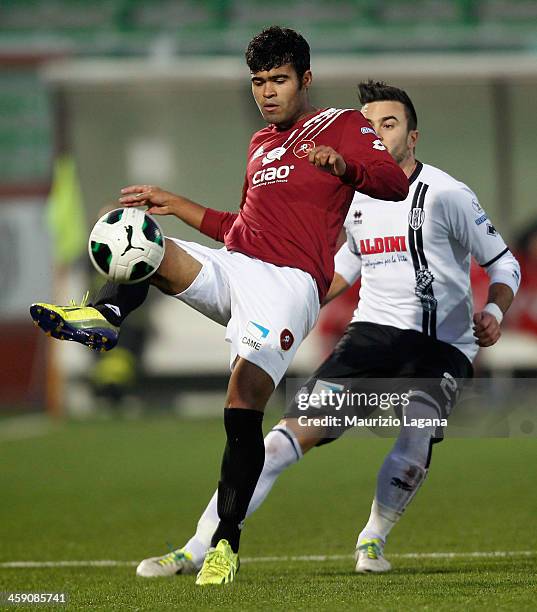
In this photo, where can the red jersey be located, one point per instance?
(291, 212)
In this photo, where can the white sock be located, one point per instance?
(281, 450)
(380, 523)
(401, 474)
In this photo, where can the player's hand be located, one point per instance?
(158, 201)
(327, 159)
(486, 328)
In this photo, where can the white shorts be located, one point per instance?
(268, 310)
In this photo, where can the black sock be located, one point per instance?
(115, 301)
(242, 464)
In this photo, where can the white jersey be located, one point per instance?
(416, 254)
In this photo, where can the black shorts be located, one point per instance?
(389, 360)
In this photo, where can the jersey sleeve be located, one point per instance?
(370, 168)
(348, 262)
(470, 225)
(216, 223)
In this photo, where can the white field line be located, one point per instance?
(315, 558)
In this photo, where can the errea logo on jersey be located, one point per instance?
(268, 176)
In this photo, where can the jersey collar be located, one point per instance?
(416, 172)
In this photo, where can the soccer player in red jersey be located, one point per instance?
(266, 284)
(415, 330)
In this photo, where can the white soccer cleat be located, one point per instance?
(370, 557)
(177, 562)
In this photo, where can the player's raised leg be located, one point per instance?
(97, 325)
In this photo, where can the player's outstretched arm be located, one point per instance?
(160, 202)
(212, 223)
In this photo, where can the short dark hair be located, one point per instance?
(378, 91)
(276, 46)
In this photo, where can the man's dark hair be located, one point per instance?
(378, 91)
(276, 46)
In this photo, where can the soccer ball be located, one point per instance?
(126, 245)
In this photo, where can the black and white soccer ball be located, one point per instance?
(126, 245)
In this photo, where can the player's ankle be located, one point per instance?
(229, 531)
(371, 535)
(109, 313)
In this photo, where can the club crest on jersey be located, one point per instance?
(303, 147)
(275, 154)
(286, 339)
(416, 217)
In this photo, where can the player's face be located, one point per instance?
(389, 121)
(279, 95)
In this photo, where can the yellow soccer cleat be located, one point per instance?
(79, 323)
(220, 565)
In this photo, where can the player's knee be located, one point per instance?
(177, 271)
(422, 420)
(249, 387)
(306, 436)
(273, 444)
(250, 399)
(414, 444)
(279, 439)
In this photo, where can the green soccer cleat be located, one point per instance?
(79, 323)
(370, 557)
(176, 562)
(220, 565)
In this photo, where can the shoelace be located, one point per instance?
(373, 551)
(216, 562)
(172, 557)
(83, 301)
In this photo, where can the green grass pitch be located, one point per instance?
(121, 490)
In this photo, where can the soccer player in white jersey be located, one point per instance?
(414, 320)
(265, 286)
